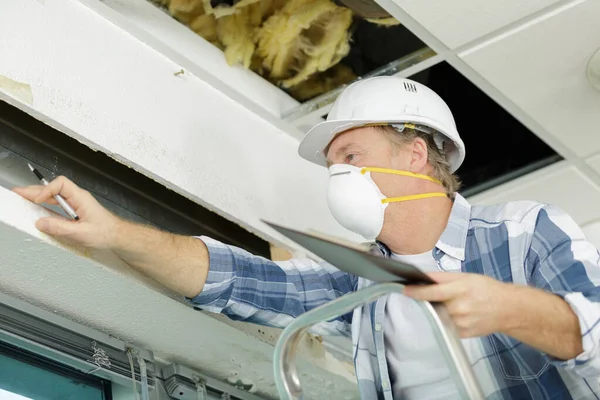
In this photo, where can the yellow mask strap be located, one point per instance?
(413, 197)
(396, 172)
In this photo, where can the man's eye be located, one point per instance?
(350, 157)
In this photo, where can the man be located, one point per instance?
(519, 279)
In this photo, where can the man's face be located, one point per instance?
(370, 147)
(361, 147)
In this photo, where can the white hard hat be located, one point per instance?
(386, 100)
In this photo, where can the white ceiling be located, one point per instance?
(555, 184)
(594, 162)
(458, 22)
(541, 68)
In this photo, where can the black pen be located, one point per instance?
(63, 203)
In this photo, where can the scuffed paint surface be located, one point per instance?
(19, 90)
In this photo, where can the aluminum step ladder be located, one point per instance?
(286, 375)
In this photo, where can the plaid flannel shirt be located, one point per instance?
(524, 243)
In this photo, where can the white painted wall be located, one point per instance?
(97, 83)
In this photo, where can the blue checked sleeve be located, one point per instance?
(561, 260)
(254, 289)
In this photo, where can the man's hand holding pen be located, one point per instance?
(96, 226)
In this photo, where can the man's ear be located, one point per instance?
(419, 155)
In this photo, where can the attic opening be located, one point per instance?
(307, 48)
(499, 148)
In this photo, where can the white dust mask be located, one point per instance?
(357, 203)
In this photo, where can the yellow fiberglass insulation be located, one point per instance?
(294, 43)
(237, 30)
(323, 82)
(184, 10)
(304, 37)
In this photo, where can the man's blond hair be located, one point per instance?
(436, 157)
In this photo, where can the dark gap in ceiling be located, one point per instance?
(496, 143)
(265, 38)
(372, 46)
(499, 148)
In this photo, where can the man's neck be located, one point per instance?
(414, 227)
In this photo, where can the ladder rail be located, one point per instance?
(446, 335)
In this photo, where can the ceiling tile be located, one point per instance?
(552, 185)
(594, 162)
(458, 22)
(592, 231)
(542, 69)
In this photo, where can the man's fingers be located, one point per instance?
(29, 192)
(448, 286)
(443, 277)
(32, 192)
(434, 293)
(62, 186)
(55, 226)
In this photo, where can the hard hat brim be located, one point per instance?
(313, 144)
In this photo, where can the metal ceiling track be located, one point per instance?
(68, 343)
(71, 345)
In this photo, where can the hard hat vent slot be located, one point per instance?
(410, 87)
